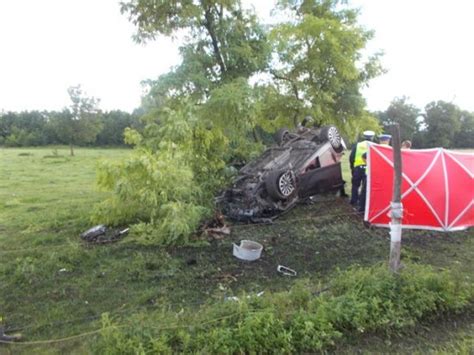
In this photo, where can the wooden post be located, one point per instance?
(396, 206)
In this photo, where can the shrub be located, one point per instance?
(156, 187)
(167, 185)
(359, 300)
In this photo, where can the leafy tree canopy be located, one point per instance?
(205, 112)
(403, 113)
(465, 137)
(79, 123)
(443, 122)
(319, 65)
(222, 42)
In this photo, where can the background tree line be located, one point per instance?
(36, 128)
(440, 124)
(82, 123)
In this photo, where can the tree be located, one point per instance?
(206, 113)
(113, 126)
(314, 59)
(403, 113)
(319, 69)
(80, 123)
(224, 42)
(225, 45)
(465, 137)
(27, 128)
(443, 122)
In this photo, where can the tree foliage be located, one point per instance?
(25, 128)
(168, 181)
(35, 128)
(319, 65)
(440, 124)
(443, 122)
(465, 137)
(113, 126)
(224, 42)
(80, 122)
(211, 109)
(403, 113)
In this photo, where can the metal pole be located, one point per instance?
(396, 205)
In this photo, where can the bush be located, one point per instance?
(156, 187)
(167, 185)
(359, 300)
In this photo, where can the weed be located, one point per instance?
(359, 300)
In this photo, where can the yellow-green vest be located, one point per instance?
(361, 148)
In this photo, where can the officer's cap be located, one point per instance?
(385, 137)
(369, 134)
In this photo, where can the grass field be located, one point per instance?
(52, 285)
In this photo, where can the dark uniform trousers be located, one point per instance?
(359, 178)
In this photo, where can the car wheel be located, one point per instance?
(282, 136)
(281, 185)
(332, 135)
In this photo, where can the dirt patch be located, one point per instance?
(312, 239)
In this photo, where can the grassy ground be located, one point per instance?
(52, 285)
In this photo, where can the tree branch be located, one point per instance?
(209, 24)
(295, 92)
(293, 84)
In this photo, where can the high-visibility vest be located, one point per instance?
(361, 148)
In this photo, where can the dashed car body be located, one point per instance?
(302, 164)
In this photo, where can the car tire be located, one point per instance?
(331, 134)
(282, 136)
(281, 184)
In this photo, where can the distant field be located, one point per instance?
(52, 285)
(45, 195)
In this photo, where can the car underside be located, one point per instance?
(302, 164)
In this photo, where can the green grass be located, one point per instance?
(53, 285)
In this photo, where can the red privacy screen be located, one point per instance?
(437, 188)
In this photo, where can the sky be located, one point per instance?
(49, 45)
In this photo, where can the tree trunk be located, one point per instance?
(215, 43)
(71, 147)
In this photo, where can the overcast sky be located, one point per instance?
(48, 45)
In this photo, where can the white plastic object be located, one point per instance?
(248, 250)
(286, 270)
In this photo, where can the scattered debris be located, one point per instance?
(216, 227)
(248, 250)
(101, 234)
(227, 278)
(286, 270)
(235, 298)
(232, 298)
(8, 338)
(225, 230)
(94, 232)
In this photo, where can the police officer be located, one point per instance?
(358, 165)
(406, 144)
(384, 139)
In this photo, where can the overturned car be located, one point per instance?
(302, 164)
